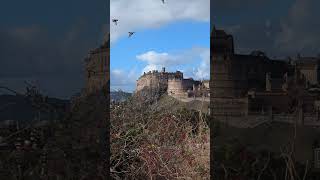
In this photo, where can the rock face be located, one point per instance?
(97, 68)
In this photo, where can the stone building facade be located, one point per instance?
(172, 83)
(155, 79)
(182, 87)
(309, 67)
(97, 68)
(242, 84)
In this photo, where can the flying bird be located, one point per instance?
(163, 1)
(115, 21)
(131, 33)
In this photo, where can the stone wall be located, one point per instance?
(310, 74)
(155, 79)
(309, 67)
(172, 83)
(254, 120)
(221, 82)
(187, 84)
(229, 106)
(176, 87)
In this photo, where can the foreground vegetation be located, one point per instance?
(247, 154)
(70, 147)
(150, 140)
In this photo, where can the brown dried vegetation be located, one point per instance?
(152, 141)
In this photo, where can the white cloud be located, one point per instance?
(203, 70)
(153, 57)
(183, 59)
(123, 80)
(193, 63)
(157, 60)
(141, 14)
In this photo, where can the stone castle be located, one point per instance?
(173, 83)
(97, 65)
(253, 84)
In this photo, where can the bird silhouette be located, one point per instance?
(115, 21)
(131, 33)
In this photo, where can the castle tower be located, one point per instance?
(227, 80)
(222, 51)
(176, 87)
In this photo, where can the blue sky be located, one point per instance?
(178, 42)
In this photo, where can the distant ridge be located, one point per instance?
(119, 96)
(19, 108)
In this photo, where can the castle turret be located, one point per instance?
(175, 87)
(227, 81)
(222, 52)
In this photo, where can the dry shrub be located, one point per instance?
(149, 144)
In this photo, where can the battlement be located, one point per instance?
(162, 74)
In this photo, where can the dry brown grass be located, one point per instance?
(157, 144)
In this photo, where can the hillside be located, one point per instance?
(168, 102)
(158, 137)
(119, 96)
